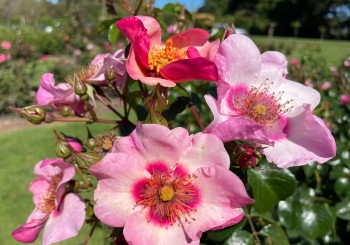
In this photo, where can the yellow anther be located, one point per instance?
(166, 193)
(260, 109)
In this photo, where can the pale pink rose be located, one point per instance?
(89, 46)
(77, 52)
(115, 62)
(5, 45)
(256, 103)
(2, 58)
(59, 95)
(57, 59)
(68, 46)
(344, 99)
(326, 85)
(62, 214)
(347, 63)
(184, 57)
(8, 56)
(294, 62)
(309, 83)
(167, 187)
(333, 68)
(107, 46)
(45, 57)
(85, 39)
(66, 62)
(172, 28)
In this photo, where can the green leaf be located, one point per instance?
(90, 92)
(265, 215)
(240, 237)
(269, 186)
(172, 8)
(275, 233)
(312, 221)
(309, 169)
(113, 33)
(343, 209)
(105, 25)
(221, 235)
(178, 106)
(156, 11)
(342, 186)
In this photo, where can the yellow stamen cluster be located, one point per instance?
(158, 58)
(47, 203)
(259, 105)
(168, 196)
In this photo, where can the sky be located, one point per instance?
(191, 5)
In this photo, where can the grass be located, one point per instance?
(20, 151)
(333, 51)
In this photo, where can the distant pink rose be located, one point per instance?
(309, 83)
(66, 37)
(8, 56)
(107, 46)
(66, 62)
(5, 45)
(167, 187)
(115, 62)
(2, 58)
(89, 46)
(57, 59)
(85, 39)
(344, 99)
(184, 57)
(77, 52)
(59, 95)
(68, 46)
(347, 63)
(326, 85)
(256, 103)
(62, 214)
(294, 62)
(45, 57)
(172, 28)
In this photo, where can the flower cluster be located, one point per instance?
(164, 184)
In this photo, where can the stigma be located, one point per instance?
(158, 58)
(260, 105)
(169, 196)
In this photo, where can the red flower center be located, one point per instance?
(169, 196)
(259, 105)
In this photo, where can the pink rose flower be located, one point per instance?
(6, 45)
(62, 214)
(309, 83)
(45, 57)
(167, 187)
(77, 52)
(2, 58)
(115, 62)
(8, 56)
(347, 63)
(75, 144)
(294, 62)
(172, 28)
(59, 95)
(344, 99)
(256, 103)
(184, 57)
(326, 85)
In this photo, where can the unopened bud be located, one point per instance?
(49, 117)
(64, 110)
(246, 155)
(34, 114)
(86, 159)
(91, 143)
(62, 150)
(80, 87)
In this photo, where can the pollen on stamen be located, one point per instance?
(169, 196)
(158, 58)
(85, 73)
(259, 105)
(48, 197)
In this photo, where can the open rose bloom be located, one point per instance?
(184, 57)
(257, 103)
(116, 65)
(167, 187)
(62, 215)
(59, 95)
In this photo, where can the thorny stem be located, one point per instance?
(84, 119)
(195, 114)
(249, 217)
(92, 231)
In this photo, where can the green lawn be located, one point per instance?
(20, 151)
(333, 51)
